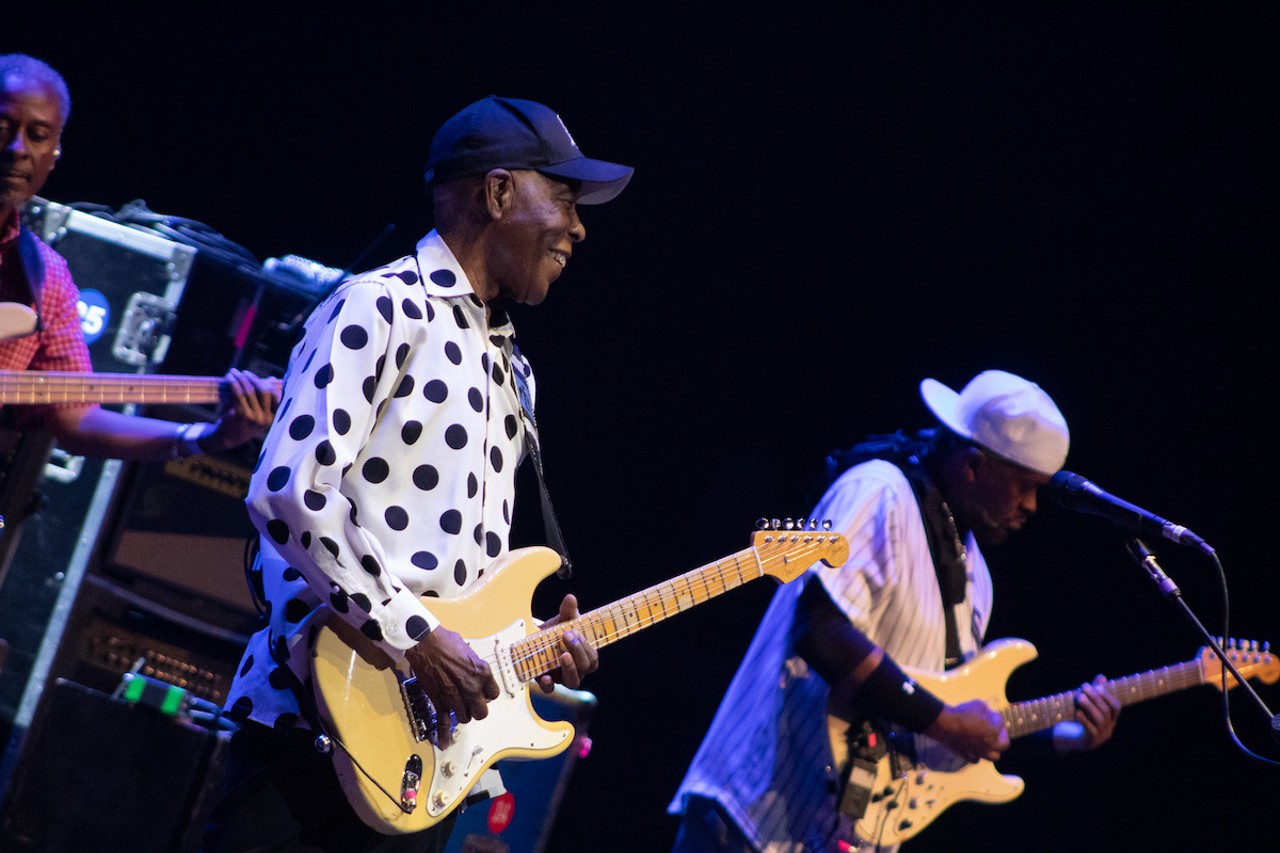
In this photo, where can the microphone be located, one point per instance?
(1075, 492)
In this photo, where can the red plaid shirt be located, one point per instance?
(59, 345)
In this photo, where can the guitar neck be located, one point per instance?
(1023, 718)
(537, 654)
(32, 387)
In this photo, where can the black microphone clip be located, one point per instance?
(1146, 560)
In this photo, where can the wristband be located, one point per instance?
(186, 441)
(890, 693)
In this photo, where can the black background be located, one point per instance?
(831, 202)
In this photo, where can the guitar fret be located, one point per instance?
(52, 387)
(790, 553)
(538, 653)
(1038, 714)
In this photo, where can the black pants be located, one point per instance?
(279, 794)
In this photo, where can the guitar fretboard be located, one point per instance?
(538, 653)
(52, 386)
(1024, 718)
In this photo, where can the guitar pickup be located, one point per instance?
(419, 710)
(409, 784)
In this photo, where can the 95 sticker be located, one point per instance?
(95, 314)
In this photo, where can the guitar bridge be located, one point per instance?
(409, 783)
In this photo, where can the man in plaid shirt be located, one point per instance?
(38, 296)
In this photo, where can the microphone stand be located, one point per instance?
(1142, 555)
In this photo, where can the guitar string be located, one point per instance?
(27, 377)
(60, 386)
(704, 578)
(624, 626)
(1029, 716)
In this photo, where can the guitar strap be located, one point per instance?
(32, 268)
(551, 526)
(947, 551)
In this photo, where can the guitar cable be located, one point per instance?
(324, 744)
(325, 741)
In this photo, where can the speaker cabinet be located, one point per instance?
(104, 774)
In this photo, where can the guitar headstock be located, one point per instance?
(1250, 658)
(787, 548)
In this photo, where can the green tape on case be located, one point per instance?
(134, 685)
(166, 698)
(172, 702)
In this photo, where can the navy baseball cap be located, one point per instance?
(510, 133)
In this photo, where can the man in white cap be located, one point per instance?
(915, 591)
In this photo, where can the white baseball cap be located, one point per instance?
(1008, 415)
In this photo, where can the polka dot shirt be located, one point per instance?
(389, 472)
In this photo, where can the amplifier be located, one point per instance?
(106, 774)
(113, 630)
(180, 535)
(173, 537)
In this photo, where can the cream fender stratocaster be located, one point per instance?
(917, 779)
(380, 719)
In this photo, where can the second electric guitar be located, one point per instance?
(917, 778)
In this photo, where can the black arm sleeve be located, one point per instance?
(823, 635)
(832, 646)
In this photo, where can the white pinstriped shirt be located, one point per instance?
(766, 758)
